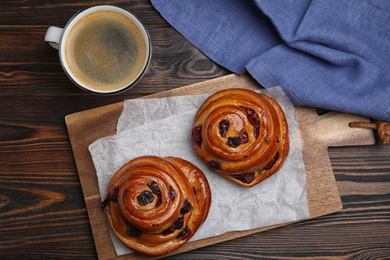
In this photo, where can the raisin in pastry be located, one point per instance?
(155, 205)
(242, 135)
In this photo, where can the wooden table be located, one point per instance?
(42, 209)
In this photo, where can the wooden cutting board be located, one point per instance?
(317, 134)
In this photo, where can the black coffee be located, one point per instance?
(105, 50)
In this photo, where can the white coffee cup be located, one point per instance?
(103, 49)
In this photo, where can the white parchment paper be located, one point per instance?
(162, 127)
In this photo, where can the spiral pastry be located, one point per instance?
(155, 205)
(242, 135)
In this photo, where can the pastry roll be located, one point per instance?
(155, 205)
(242, 135)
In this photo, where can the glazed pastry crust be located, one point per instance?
(166, 222)
(252, 116)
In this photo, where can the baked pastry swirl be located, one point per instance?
(242, 135)
(155, 205)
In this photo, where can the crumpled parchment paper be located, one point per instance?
(162, 127)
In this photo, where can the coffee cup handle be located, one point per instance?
(53, 35)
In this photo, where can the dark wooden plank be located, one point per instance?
(57, 13)
(34, 68)
(323, 238)
(42, 206)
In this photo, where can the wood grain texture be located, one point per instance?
(42, 13)
(175, 63)
(42, 210)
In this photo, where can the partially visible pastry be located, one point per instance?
(155, 205)
(242, 135)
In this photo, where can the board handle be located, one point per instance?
(332, 129)
(383, 129)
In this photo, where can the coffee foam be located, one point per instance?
(105, 50)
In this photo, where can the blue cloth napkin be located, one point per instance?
(332, 54)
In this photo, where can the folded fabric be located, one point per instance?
(332, 54)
